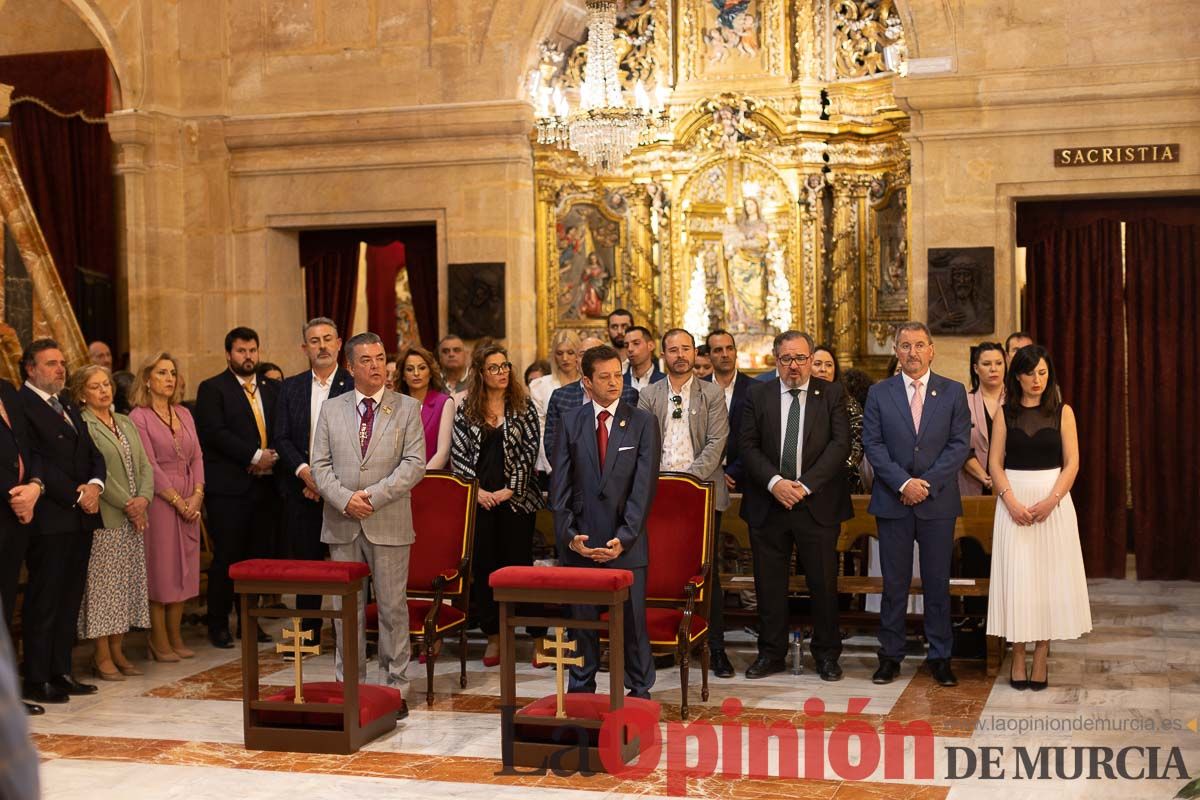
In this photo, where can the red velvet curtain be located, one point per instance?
(420, 248)
(1076, 311)
(66, 166)
(1163, 296)
(383, 265)
(330, 262)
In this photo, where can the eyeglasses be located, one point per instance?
(917, 347)
(787, 361)
(678, 401)
(498, 369)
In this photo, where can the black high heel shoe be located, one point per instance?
(1038, 686)
(1021, 685)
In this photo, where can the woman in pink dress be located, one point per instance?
(173, 539)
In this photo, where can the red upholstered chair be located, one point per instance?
(439, 569)
(680, 534)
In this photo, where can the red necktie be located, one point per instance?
(602, 436)
(366, 424)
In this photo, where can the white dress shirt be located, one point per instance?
(785, 406)
(612, 413)
(644, 381)
(320, 393)
(678, 453)
(257, 400)
(67, 417)
(539, 392)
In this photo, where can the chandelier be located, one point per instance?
(602, 129)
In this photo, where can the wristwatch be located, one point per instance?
(38, 483)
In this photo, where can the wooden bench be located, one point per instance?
(975, 524)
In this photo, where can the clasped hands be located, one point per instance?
(598, 554)
(136, 509)
(915, 491)
(788, 493)
(22, 499)
(89, 497)
(359, 506)
(266, 463)
(492, 499)
(1029, 515)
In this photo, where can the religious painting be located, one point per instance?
(477, 300)
(586, 247)
(731, 30)
(892, 268)
(407, 331)
(961, 290)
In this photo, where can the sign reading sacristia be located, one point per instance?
(1116, 154)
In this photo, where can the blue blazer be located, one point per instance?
(897, 452)
(656, 374)
(292, 422)
(733, 459)
(611, 503)
(567, 398)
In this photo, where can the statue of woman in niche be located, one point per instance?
(746, 243)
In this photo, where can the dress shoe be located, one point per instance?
(218, 638)
(114, 675)
(183, 652)
(638, 695)
(68, 684)
(887, 672)
(1039, 686)
(718, 664)
(763, 666)
(129, 669)
(44, 693)
(403, 712)
(829, 670)
(940, 669)
(1019, 685)
(167, 656)
(34, 710)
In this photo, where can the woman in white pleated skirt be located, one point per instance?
(1038, 590)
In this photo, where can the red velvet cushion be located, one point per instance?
(677, 528)
(441, 510)
(373, 702)
(417, 609)
(584, 579)
(662, 625)
(278, 569)
(579, 706)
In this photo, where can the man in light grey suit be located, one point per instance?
(694, 424)
(368, 453)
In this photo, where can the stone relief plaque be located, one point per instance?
(961, 290)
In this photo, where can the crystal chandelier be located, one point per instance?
(602, 130)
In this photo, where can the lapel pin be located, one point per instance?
(622, 423)
(934, 393)
(816, 392)
(387, 409)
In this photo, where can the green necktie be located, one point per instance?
(791, 438)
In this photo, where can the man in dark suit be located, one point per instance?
(722, 350)
(300, 399)
(572, 396)
(21, 484)
(642, 369)
(57, 558)
(795, 439)
(916, 434)
(605, 475)
(234, 415)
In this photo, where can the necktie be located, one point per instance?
(366, 424)
(258, 417)
(20, 461)
(58, 409)
(791, 439)
(916, 406)
(602, 436)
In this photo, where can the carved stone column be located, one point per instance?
(845, 289)
(133, 134)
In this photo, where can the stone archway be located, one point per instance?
(118, 27)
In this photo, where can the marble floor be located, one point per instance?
(1134, 682)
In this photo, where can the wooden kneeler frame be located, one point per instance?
(268, 724)
(530, 585)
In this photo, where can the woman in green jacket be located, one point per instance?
(116, 598)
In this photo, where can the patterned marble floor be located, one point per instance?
(1133, 682)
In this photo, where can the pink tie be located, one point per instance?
(916, 406)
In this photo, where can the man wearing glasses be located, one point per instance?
(916, 434)
(694, 425)
(795, 437)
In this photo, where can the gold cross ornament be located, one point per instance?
(299, 650)
(559, 660)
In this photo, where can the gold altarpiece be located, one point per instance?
(777, 199)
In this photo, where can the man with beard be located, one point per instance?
(619, 321)
(234, 415)
(300, 400)
(694, 424)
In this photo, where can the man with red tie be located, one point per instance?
(605, 473)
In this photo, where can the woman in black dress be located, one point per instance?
(496, 442)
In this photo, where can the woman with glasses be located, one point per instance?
(496, 441)
(420, 377)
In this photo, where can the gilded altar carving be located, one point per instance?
(778, 197)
